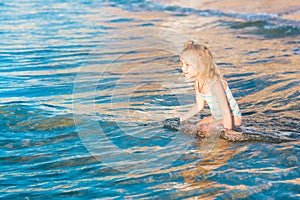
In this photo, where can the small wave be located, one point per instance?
(137, 6)
(265, 28)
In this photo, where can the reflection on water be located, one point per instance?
(87, 84)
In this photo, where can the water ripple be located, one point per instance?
(48, 48)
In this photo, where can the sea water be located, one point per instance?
(86, 87)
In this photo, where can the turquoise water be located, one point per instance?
(86, 87)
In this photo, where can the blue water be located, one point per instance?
(85, 88)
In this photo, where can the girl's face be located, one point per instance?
(188, 66)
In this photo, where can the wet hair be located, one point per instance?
(205, 62)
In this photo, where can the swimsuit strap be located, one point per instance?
(207, 85)
(197, 86)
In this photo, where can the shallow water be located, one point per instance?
(86, 86)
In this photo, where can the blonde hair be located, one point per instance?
(209, 70)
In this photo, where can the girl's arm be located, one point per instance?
(196, 108)
(219, 91)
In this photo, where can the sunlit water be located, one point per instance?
(86, 86)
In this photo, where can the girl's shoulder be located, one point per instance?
(218, 85)
(224, 84)
(220, 82)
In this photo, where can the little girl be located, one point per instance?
(197, 62)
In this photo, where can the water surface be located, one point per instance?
(86, 85)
